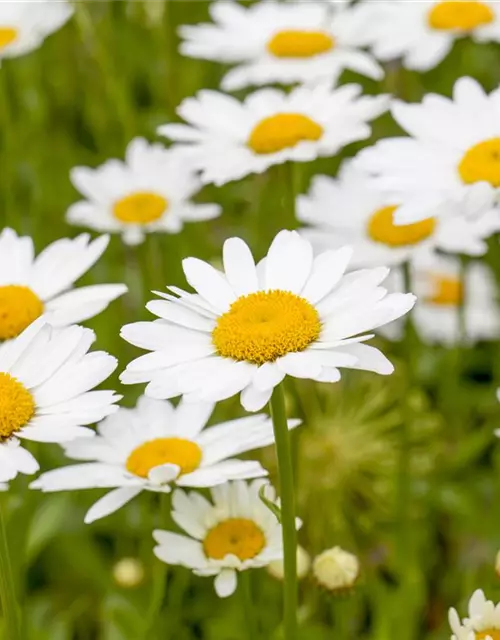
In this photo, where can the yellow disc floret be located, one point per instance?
(141, 207)
(236, 536)
(266, 325)
(456, 15)
(481, 163)
(8, 35)
(183, 453)
(19, 307)
(493, 634)
(282, 131)
(16, 405)
(300, 44)
(446, 291)
(381, 228)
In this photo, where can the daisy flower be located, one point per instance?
(483, 622)
(155, 445)
(248, 327)
(234, 532)
(43, 285)
(227, 139)
(46, 382)
(369, 226)
(25, 25)
(440, 293)
(149, 192)
(423, 33)
(452, 157)
(274, 42)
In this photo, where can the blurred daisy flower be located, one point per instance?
(234, 532)
(25, 25)
(46, 382)
(34, 286)
(156, 445)
(423, 33)
(440, 294)
(370, 229)
(248, 327)
(149, 192)
(453, 156)
(227, 139)
(483, 622)
(287, 43)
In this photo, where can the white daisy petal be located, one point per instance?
(110, 503)
(225, 583)
(239, 267)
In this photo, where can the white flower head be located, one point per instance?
(440, 292)
(25, 25)
(483, 622)
(248, 327)
(287, 43)
(336, 569)
(276, 568)
(31, 287)
(153, 446)
(149, 192)
(234, 532)
(423, 33)
(227, 139)
(349, 210)
(452, 157)
(47, 379)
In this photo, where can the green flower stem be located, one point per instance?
(249, 619)
(11, 626)
(283, 451)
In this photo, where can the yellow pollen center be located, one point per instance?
(16, 405)
(183, 453)
(461, 16)
(494, 634)
(447, 291)
(7, 36)
(266, 325)
(294, 43)
(236, 536)
(282, 131)
(140, 208)
(381, 228)
(481, 163)
(19, 307)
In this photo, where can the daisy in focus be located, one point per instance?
(47, 379)
(451, 159)
(423, 33)
(440, 294)
(234, 532)
(155, 445)
(483, 622)
(370, 229)
(227, 139)
(25, 25)
(43, 285)
(248, 327)
(149, 192)
(271, 42)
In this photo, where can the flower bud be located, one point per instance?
(128, 573)
(336, 569)
(277, 570)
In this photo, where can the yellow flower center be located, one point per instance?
(481, 163)
(184, 453)
(300, 44)
(463, 16)
(494, 634)
(266, 325)
(140, 208)
(16, 405)
(7, 36)
(282, 131)
(19, 307)
(447, 291)
(381, 228)
(236, 536)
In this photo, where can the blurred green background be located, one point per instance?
(113, 73)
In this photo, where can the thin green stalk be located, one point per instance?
(283, 451)
(12, 629)
(249, 619)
